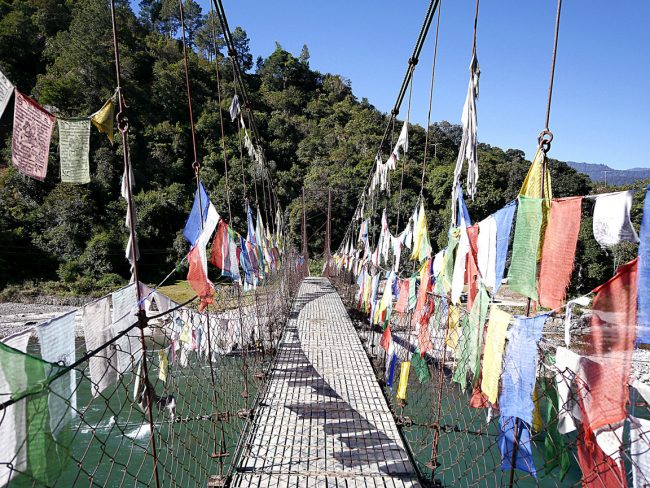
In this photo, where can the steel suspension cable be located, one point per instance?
(401, 183)
(123, 128)
(431, 86)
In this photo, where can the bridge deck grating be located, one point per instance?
(323, 420)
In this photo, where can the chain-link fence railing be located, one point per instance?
(107, 396)
(548, 417)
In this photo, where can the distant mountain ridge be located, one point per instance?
(602, 173)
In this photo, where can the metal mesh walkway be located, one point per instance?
(323, 420)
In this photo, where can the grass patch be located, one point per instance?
(179, 291)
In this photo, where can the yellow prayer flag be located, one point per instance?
(454, 330)
(104, 118)
(421, 244)
(162, 364)
(532, 187)
(493, 353)
(403, 380)
(537, 418)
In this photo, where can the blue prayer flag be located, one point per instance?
(504, 226)
(251, 228)
(391, 371)
(194, 224)
(463, 213)
(523, 455)
(519, 369)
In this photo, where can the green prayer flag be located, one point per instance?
(522, 275)
(420, 367)
(555, 449)
(470, 345)
(74, 149)
(33, 450)
(443, 280)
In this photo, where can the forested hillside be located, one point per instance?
(316, 132)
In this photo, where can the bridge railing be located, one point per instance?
(457, 438)
(100, 398)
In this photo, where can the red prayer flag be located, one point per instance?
(604, 374)
(386, 338)
(471, 273)
(30, 145)
(558, 251)
(598, 469)
(220, 247)
(198, 279)
(425, 287)
(403, 297)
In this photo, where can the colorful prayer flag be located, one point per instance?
(403, 380)
(558, 251)
(420, 367)
(74, 149)
(493, 354)
(6, 90)
(30, 145)
(503, 219)
(522, 275)
(104, 118)
(198, 215)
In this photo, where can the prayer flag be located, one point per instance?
(520, 367)
(220, 249)
(532, 186)
(6, 90)
(197, 275)
(515, 442)
(493, 354)
(604, 375)
(487, 251)
(558, 251)
(469, 349)
(598, 469)
(96, 318)
(402, 298)
(420, 367)
(162, 365)
(74, 149)
(522, 275)
(402, 141)
(104, 118)
(234, 108)
(612, 218)
(30, 145)
(421, 245)
(405, 368)
(555, 449)
(391, 369)
(194, 224)
(643, 284)
(386, 338)
(503, 219)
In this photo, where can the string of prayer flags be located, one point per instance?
(603, 390)
(493, 353)
(558, 251)
(643, 284)
(504, 218)
(74, 149)
(197, 275)
(522, 275)
(611, 222)
(6, 90)
(404, 371)
(104, 118)
(420, 367)
(469, 143)
(520, 367)
(30, 145)
(515, 444)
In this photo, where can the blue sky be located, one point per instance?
(601, 102)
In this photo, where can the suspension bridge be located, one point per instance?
(396, 367)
